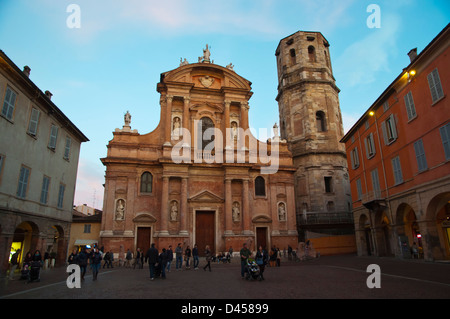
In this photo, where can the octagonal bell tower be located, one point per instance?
(311, 122)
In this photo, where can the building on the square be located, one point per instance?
(399, 161)
(85, 229)
(39, 151)
(311, 122)
(200, 177)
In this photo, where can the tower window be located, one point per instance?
(312, 54)
(292, 53)
(321, 122)
(260, 186)
(328, 184)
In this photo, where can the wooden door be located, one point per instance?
(261, 237)
(143, 238)
(205, 231)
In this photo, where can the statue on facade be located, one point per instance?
(174, 211)
(234, 131)
(185, 62)
(176, 128)
(206, 56)
(120, 210)
(281, 212)
(127, 118)
(236, 212)
(230, 67)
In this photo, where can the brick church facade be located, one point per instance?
(201, 177)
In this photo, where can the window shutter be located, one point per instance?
(385, 136)
(445, 137)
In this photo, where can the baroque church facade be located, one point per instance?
(202, 178)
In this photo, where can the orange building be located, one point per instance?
(398, 155)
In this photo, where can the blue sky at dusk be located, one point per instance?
(113, 62)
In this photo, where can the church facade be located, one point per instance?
(202, 178)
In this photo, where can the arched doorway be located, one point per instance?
(408, 231)
(366, 236)
(437, 245)
(385, 247)
(25, 238)
(56, 245)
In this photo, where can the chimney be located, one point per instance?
(49, 94)
(412, 54)
(26, 70)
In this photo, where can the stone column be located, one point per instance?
(184, 206)
(244, 115)
(228, 207)
(168, 123)
(186, 117)
(226, 124)
(245, 214)
(164, 206)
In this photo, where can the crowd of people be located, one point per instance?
(159, 262)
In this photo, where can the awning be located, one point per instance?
(83, 242)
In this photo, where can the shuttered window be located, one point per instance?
(445, 137)
(397, 169)
(410, 108)
(420, 155)
(434, 83)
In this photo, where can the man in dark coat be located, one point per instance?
(152, 257)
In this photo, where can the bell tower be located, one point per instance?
(311, 122)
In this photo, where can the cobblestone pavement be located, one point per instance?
(337, 277)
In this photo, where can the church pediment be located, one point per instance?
(144, 218)
(206, 75)
(261, 219)
(206, 197)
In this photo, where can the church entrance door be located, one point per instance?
(261, 238)
(143, 238)
(205, 231)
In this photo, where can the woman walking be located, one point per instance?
(261, 260)
(208, 258)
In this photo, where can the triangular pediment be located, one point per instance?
(144, 218)
(261, 219)
(206, 197)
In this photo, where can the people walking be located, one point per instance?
(82, 262)
(187, 256)
(73, 257)
(245, 253)
(178, 257)
(163, 257)
(273, 257)
(195, 256)
(152, 258)
(208, 256)
(261, 260)
(14, 264)
(95, 261)
(128, 258)
(137, 260)
(169, 257)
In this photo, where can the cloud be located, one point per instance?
(361, 61)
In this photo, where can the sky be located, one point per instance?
(102, 58)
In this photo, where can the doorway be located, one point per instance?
(143, 238)
(205, 228)
(261, 237)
